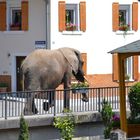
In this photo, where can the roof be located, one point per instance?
(133, 47)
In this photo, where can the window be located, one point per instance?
(13, 15)
(15, 19)
(72, 17)
(128, 68)
(125, 17)
(131, 68)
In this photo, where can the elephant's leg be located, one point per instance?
(67, 81)
(67, 99)
(51, 98)
(84, 97)
(34, 109)
(30, 108)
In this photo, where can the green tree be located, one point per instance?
(24, 132)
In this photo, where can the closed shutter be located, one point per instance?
(2, 16)
(24, 8)
(115, 16)
(135, 16)
(115, 67)
(61, 15)
(83, 16)
(135, 68)
(84, 58)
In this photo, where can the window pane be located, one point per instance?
(128, 68)
(15, 19)
(122, 17)
(69, 16)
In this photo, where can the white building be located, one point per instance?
(42, 23)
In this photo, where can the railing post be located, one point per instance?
(6, 106)
(99, 100)
(55, 103)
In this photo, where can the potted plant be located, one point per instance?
(79, 87)
(134, 119)
(3, 87)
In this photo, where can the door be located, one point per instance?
(19, 60)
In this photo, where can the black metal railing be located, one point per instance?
(12, 104)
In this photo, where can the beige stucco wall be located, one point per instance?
(18, 43)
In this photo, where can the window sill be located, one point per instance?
(129, 81)
(125, 33)
(72, 32)
(14, 32)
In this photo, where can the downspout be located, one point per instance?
(48, 25)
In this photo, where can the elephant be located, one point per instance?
(46, 69)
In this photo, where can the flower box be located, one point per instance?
(79, 90)
(70, 27)
(15, 28)
(124, 27)
(79, 87)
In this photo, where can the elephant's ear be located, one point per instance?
(73, 57)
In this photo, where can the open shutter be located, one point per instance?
(2, 16)
(115, 67)
(84, 58)
(24, 8)
(61, 15)
(135, 68)
(83, 16)
(135, 16)
(115, 16)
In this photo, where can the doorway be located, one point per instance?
(19, 80)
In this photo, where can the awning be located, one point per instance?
(133, 47)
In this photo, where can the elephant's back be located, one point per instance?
(40, 57)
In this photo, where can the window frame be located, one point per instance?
(76, 16)
(128, 9)
(11, 17)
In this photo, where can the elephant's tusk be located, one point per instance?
(86, 79)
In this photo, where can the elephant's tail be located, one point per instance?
(22, 77)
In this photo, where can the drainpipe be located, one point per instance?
(48, 25)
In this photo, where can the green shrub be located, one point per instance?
(134, 100)
(66, 125)
(24, 132)
(107, 114)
